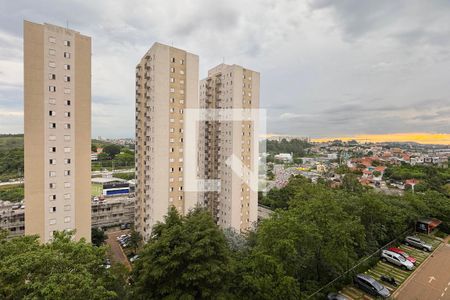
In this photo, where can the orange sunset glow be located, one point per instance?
(422, 138)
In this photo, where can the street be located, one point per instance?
(116, 252)
(431, 281)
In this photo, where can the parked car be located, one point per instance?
(404, 254)
(134, 258)
(107, 263)
(336, 296)
(121, 237)
(369, 285)
(418, 243)
(396, 259)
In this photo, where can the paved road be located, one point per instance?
(432, 280)
(117, 254)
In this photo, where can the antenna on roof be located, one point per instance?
(67, 24)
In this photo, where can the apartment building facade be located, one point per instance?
(57, 114)
(230, 87)
(166, 85)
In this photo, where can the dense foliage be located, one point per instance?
(62, 269)
(315, 235)
(12, 193)
(11, 164)
(295, 146)
(432, 178)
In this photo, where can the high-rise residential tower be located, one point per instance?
(166, 84)
(57, 95)
(229, 87)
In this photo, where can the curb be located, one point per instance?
(400, 288)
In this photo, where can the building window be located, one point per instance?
(67, 161)
(67, 184)
(52, 88)
(67, 102)
(172, 70)
(182, 61)
(52, 161)
(52, 185)
(52, 137)
(52, 113)
(67, 114)
(66, 196)
(67, 207)
(67, 125)
(52, 209)
(66, 67)
(67, 138)
(67, 149)
(173, 59)
(66, 55)
(52, 64)
(52, 173)
(52, 197)
(52, 101)
(52, 221)
(52, 76)
(66, 219)
(181, 72)
(66, 78)
(172, 90)
(172, 100)
(51, 51)
(66, 91)
(66, 172)
(172, 79)
(52, 39)
(52, 149)
(67, 43)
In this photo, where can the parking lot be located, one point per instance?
(382, 268)
(432, 281)
(116, 252)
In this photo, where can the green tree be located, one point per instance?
(93, 147)
(186, 258)
(98, 236)
(260, 276)
(135, 240)
(350, 183)
(62, 269)
(112, 150)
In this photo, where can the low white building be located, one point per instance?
(285, 157)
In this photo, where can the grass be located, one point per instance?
(96, 189)
(11, 141)
(12, 193)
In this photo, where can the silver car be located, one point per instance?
(418, 243)
(396, 259)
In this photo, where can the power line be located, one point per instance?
(358, 264)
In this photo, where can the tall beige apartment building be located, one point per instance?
(166, 84)
(229, 87)
(57, 93)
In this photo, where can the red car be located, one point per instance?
(404, 254)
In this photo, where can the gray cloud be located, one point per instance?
(327, 67)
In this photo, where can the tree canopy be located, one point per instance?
(61, 269)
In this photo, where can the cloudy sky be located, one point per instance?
(328, 68)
